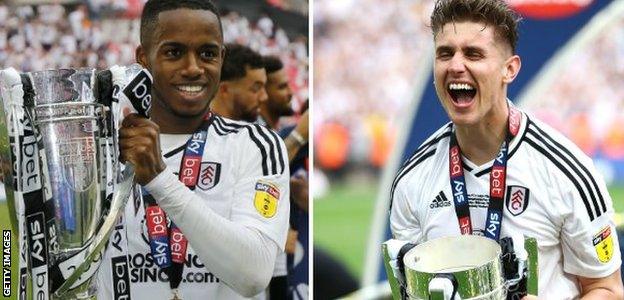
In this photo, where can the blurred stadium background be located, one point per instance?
(374, 104)
(51, 34)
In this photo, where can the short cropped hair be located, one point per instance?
(237, 59)
(272, 64)
(491, 12)
(151, 10)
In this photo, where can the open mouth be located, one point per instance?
(461, 93)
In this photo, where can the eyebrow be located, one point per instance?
(445, 48)
(182, 45)
(474, 49)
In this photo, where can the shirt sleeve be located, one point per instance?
(588, 236)
(404, 221)
(262, 192)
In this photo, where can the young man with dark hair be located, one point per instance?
(506, 172)
(223, 184)
(242, 88)
(279, 93)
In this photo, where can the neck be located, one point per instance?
(269, 118)
(219, 107)
(173, 124)
(481, 142)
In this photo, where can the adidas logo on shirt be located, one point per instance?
(440, 201)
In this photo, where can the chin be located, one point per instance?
(189, 113)
(464, 119)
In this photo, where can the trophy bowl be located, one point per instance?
(473, 262)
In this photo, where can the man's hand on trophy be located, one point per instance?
(139, 144)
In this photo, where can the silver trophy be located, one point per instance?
(65, 185)
(462, 267)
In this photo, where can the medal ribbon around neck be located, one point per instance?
(167, 243)
(498, 177)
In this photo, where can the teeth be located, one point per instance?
(460, 86)
(190, 88)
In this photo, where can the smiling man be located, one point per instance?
(222, 184)
(496, 171)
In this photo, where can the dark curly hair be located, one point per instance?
(237, 59)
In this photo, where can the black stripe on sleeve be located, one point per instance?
(225, 127)
(218, 127)
(565, 171)
(415, 159)
(281, 157)
(254, 138)
(265, 165)
(413, 165)
(588, 174)
(432, 141)
(272, 155)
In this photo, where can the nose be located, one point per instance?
(290, 92)
(457, 65)
(192, 68)
(263, 96)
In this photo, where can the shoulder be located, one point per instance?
(566, 163)
(554, 147)
(255, 141)
(427, 151)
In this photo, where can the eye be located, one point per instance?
(173, 53)
(208, 54)
(444, 55)
(474, 55)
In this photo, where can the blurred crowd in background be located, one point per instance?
(359, 106)
(102, 33)
(585, 100)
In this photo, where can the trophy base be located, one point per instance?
(85, 291)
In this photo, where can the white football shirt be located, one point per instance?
(553, 194)
(239, 162)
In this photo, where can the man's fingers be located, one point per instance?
(135, 120)
(131, 132)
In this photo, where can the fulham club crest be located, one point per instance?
(209, 175)
(517, 199)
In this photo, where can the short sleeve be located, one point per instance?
(404, 222)
(262, 189)
(589, 240)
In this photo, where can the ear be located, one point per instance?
(512, 68)
(222, 52)
(224, 88)
(141, 56)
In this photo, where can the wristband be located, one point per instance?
(297, 136)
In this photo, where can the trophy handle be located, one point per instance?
(443, 286)
(118, 202)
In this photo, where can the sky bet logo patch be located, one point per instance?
(603, 242)
(266, 198)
